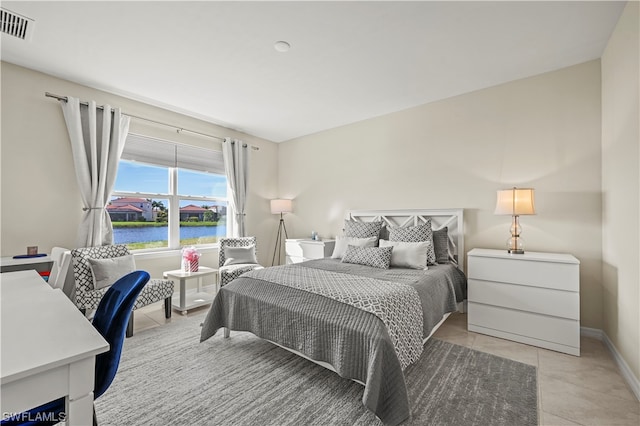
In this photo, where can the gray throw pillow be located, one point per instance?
(441, 245)
(107, 271)
(413, 234)
(240, 255)
(378, 257)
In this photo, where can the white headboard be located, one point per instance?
(452, 218)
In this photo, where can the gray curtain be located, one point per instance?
(97, 139)
(236, 165)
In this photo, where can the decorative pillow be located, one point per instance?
(342, 243)
(378, 257)
(108, 271)
(240, 255)
(441, 245)
(356, 229)
(408, 255)
(414, 234)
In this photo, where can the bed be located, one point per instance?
(367, 323)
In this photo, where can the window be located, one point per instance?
(168, 195)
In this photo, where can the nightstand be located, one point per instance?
(303, 249)
(532, 298)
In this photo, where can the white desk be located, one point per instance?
(48, 348)
(40, 264)
(185, 301)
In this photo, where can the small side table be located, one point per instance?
(185, 301)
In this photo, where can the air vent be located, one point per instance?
(15, 25)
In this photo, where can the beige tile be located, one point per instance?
(457, 338)
(586, 406)
(141, 321)
(454, 330)
(548, 419)
(507, 349)
(594, 369)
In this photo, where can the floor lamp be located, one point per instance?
(280, 207)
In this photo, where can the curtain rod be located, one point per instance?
(178, 129)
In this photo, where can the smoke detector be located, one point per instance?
(15, 25)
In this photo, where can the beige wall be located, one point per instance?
(621, 187)
(40, 203)
(542, 132)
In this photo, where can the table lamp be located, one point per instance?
(280, 206)
(515, 202)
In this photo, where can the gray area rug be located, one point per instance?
(166, 377)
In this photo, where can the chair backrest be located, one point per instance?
(61, 259)
(82, 270)
(234, 242)
(111, 320)
(56, 257)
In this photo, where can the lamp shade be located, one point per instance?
(281, 206)
(515, 202)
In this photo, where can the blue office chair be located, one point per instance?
(110, 320)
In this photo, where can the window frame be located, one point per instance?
(174, 199)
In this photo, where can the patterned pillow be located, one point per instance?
(413, 234)
(378, 257)
(356, 229)
(441, 245)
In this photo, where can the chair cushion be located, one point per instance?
(231, 272)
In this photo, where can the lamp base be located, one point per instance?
(515, 251)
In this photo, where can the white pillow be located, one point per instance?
(107, 271)
(240, 255)
(342, 243)
(408, 255)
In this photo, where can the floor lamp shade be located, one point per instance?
(281, 206)
(515, 202)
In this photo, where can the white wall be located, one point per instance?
(621, 187)
(543, 132)
(40, 203)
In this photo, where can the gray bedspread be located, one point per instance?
(355, 342)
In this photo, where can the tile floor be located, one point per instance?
(585, 390)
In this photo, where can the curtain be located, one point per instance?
(236, 165)
(97, 137)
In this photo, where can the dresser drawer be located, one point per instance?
(520, 325)
(558, 303)
(554, 275)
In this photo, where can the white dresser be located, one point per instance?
(532, 298)
(303, 249)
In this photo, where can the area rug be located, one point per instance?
(167, 376)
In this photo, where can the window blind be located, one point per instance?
(160, 152)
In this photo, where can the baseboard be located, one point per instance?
(626, 372)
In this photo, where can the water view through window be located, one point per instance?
(142, 207)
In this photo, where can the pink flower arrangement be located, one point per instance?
(190, 253)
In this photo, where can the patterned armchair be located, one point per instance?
(230, 272)
(88, 298)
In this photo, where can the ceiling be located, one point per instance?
(348, 61)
